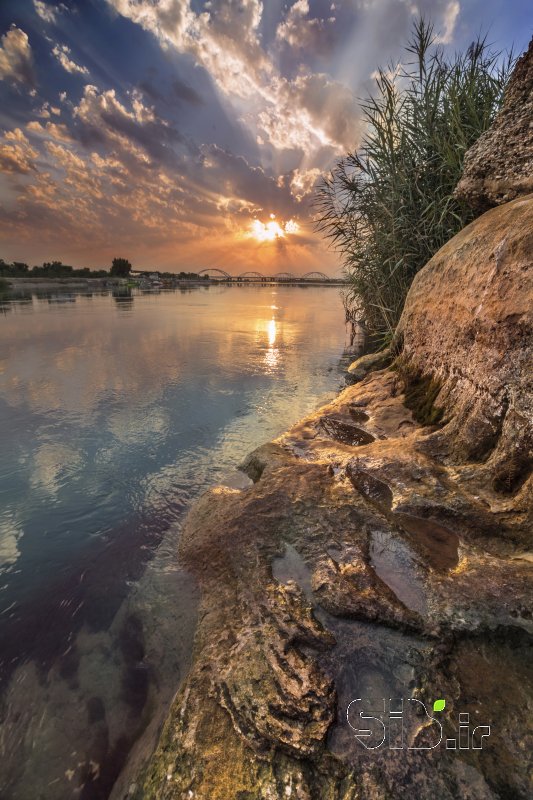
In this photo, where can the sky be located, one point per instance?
(185, 134)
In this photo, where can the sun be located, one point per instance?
(271, 230)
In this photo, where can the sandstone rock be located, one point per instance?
(499, 166)
(360, 368)
(468, 323)
(316, 589)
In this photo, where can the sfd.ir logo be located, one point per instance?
(374, 724)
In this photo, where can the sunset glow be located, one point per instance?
(271, 230)
(199, 137)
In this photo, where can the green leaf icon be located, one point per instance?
(439, 705)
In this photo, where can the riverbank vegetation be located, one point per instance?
(52, 269)
(120, 268)
(389, 206)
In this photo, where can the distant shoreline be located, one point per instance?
(18, 284)
(15, 284)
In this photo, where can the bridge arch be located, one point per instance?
(245, 275)
(215, 273)
(315, 276)
(284, 276)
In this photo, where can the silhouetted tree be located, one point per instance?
(121, 267)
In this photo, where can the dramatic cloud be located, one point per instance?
(189, 133)
(302, 32)
(16, 154)
(50, 130)
(225, 40)
(451, 14)
(45, 12)
(122, 170)
(16, 61)
(236, 179)
(62, 53)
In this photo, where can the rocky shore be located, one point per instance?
(383, 551)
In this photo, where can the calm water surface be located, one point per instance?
(115, 413)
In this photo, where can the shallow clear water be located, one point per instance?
(115, 413)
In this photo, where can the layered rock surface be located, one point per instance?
(468, 324)
(499, 166)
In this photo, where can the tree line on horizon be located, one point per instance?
(120, 268)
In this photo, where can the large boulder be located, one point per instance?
(499, 166)
(467, 324)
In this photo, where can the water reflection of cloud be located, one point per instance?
(53, 465)
(138, 425)
(10, 532)
(127, 384)
(98, 359)
(160, 491)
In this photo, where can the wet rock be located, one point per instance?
(499, 166)
(396, 565)
(438, 544)
(357, 414)
(363, 365)
(370, 486)
(468, 323)
(345, 430)
(255, 463)
(338, 574)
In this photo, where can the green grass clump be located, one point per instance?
(389, 206)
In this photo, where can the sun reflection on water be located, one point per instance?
(272, 354)
(272, 333)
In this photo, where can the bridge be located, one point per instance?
(220, 275)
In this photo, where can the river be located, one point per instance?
(115, 413)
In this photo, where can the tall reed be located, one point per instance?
(389, 206)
